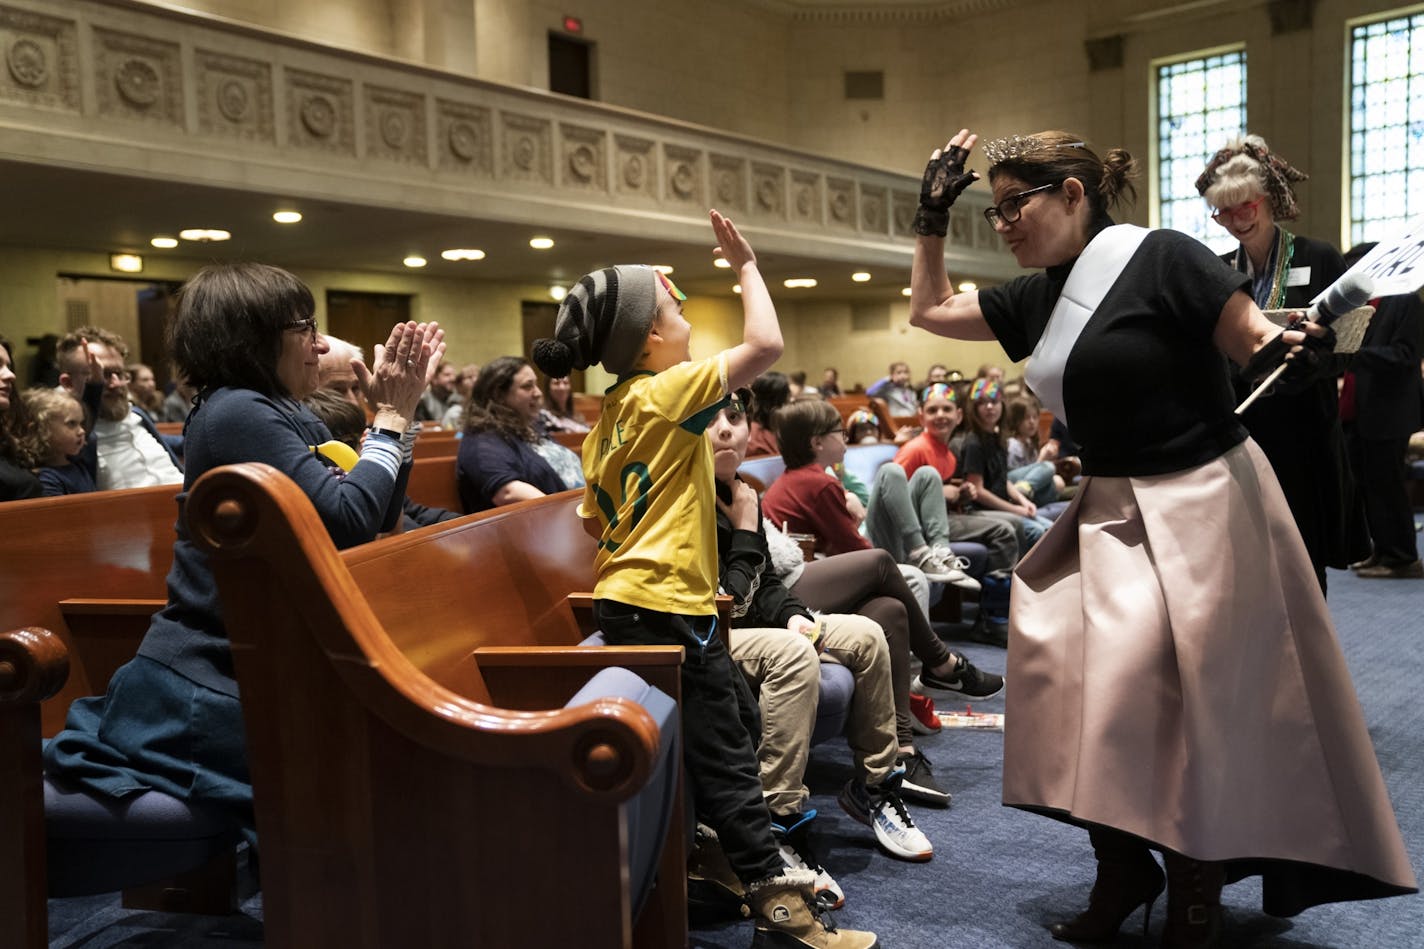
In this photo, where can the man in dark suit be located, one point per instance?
(1380, 407)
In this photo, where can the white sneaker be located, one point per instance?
(883, 809)
(939, 569)
(895, 830)
(960, 564)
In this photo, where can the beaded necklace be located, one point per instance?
(1268, 288)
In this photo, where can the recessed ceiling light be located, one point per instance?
(736, 288)
(164, 243)
(414, 260)
(905, 292)
(558, 292)
(126, 263)
(860, 276)
(286, 217)
(663, 268)
(799, 283)
(541, 243)
(966, 285)
(204, 234)
(463, 253)
(722, 262)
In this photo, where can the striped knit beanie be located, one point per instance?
(604, 319)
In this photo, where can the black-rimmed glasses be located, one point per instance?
(1010, 209)
(833, 431)
(307, 326)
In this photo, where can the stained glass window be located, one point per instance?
(1201, 104)
(1386, 126)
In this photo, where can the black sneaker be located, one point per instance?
(991, 632)
(882, 809)
(919, 784)
(966, 681)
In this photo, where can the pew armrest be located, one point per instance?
(529, 678)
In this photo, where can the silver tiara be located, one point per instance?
(1020, 147)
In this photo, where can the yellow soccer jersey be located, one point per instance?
(649, 479)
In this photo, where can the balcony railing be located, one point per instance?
(129, 89)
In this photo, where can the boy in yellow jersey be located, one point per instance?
(651, 504)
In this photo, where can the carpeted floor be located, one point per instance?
(999, 876)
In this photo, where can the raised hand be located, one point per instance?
(945, 179)
(731, 245)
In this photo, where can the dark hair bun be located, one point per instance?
(554, 358)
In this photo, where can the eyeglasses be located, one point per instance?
(1243, 211)
(832, 431)
(1010, 209)
(123, 375)
(307, 326)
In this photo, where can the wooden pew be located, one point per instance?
(432, 483)
(588, 406)
(436, 442)
(91, 568)
(393, 767)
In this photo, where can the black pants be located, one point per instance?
(1379, 474)
(720, 730)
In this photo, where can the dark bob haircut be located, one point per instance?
(228, 327)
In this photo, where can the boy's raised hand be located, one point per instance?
(731, 245)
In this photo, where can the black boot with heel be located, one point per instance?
(1193, 903)
(1127, 878)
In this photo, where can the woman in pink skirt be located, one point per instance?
(1176, 684)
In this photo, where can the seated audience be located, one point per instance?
(68, 460)
(347, 424)
(337, 373)
(18, 455)
(464, 384)
(986, 466)
(245, 336)
(441, 395)
(894, 390)
(143, 390)
(867, 582)
(940, 416)
(1026, 464)
(907, 519)
(779, 646)
(771, 390)
(132, 453)
(558, 413)
(178, 403)
(830, 383)
(799, 388)
(862, 428)
(503, 457)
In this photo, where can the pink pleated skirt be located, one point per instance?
(1174, 674)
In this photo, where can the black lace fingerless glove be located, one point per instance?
(1302, 368)
(945, 179)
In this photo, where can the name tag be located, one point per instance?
(1298, 277)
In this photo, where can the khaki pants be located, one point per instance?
(785, 668)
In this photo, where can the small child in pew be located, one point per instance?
(347, 423)
(68, 464)
(651, 504)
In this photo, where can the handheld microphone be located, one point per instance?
(1351, 291)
